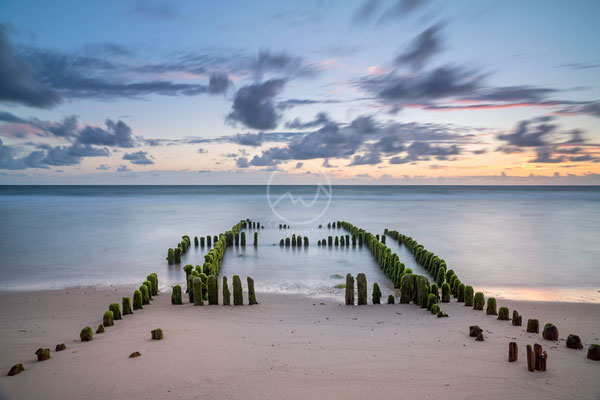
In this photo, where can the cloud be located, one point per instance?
(123, 168)
(320, 119)
(253, 105)
(366, 11)
(530, 133)
(242, 162)
(326, 164)
(163, 11)
(423, 48)
(218, 83)
(281, 63)
(202, 151)
(399, 9)
(545, 155)
(421, 151)
(299, 165)
(249, 139)
(103, 167)
(139, 158)
(18, 82)
(116, 134)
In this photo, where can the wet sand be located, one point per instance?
(289, 346)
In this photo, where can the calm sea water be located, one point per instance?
(519, 242)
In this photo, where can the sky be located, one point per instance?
(366, 92)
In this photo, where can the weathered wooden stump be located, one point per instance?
(445, 292)
(574, 342)
(153, 278)
(503, 314)
(86, 334)
(594, 352)
(478, 301)
(238, 299)
(176, 295)
(251, 292)
(391, 299)
(226, 293)
(474, 330)
(145, 295)
(513, 352)
(255, 239)
(469, 296)
(491, 307)
(137, 300)
(213, 290)
(406, 289)
(126, 301)
(361, 286)
(517, 319)
(116, 310)
(60, 347)
(100, 329)
(135, 354)
(530, 359)
(108, 319)
(533, 326)
(197, 290)
(42, 354)
(16, 369)
(541, 357)
(376, 294)
(349, 290)
(550, 332)
(157, 334)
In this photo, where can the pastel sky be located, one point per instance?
(369, 92)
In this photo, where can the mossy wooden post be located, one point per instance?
(461, 293)
(176, 295)
(329, 241)
(177, 255)
(126, 301)
(349, 290)
(435, 309)
(445, 292)
(197, 289)
(145, 298)
(281, 243)
(116, 310)
(108, 319)
(153, 278)
(287, 242)
(196, 241)
(391, 299)
(157, 334)
(305, 241)
(137, 300)
(406, 289)
(16, 369)
(530, 359)
(533, 326)
(148, 284)
(593, 352)
(202, 242)
(517, 319)
(208, 241)
(550, 332)
(513, 352)
(238, 299)
(361, 286)
(491, 307)
(469, 296)
(226, 293)
(255, 239)
(42, 354)
(478, 301)
(337, 241)
(251, 293)
(376, 294)
(213, 290)
(431, 300)
(171, 256)
(503, 314)
(243, 238)
(86, 334)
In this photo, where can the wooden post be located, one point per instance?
(349, 290)
(513, 352)
(530, 359)
(537, 351)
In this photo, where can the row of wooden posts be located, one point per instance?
(294, 241)
(234, 236)
(343, 240)
(201, 288)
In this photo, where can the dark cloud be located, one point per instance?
(320, 119)
(291, 103)
(299, 165)
(123, 168)
(139, 158)
(399, 9)
(116, 134)
(253, 105)
(366, 11)
(19, 83)
(422, 151)
(249, 139)
(103, 167)
(423, 48)
(281, 63)
(546, 155)
(242, 162)
(530, 133)
(218, 83)
(11, 118)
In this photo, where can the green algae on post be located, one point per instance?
(445, 292)
(145, 295)
(469, 295)
(100, 329)
(176, 295)
(60, 347)
(108, 319)
(116, 310)
(431, 300)
(251, 293)
(153, 278)
(86, 334)
(349, 290)
(503, 314)
(16, 369)
(517, 319)
(238, 299)
(461, 293)
(491, 307)
(361, 286)
(435, 309)
(533, 326)
(148, 284)
(226, 293)
(391, 299)
(213, 290)
(137, 300)
(157, 334)
(478, 301)
(550, 332)
(197, 290)
(376, 294)
(126, 306)
(42, 354)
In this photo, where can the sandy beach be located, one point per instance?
(289, 346)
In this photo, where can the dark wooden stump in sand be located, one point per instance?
(349, 290)
(517, 319)
(574, 342)
(513, 352)
(530, 359)
(361, 284)
(541, 357)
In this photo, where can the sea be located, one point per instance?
(518, 242)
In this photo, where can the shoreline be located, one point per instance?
(288, 346)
